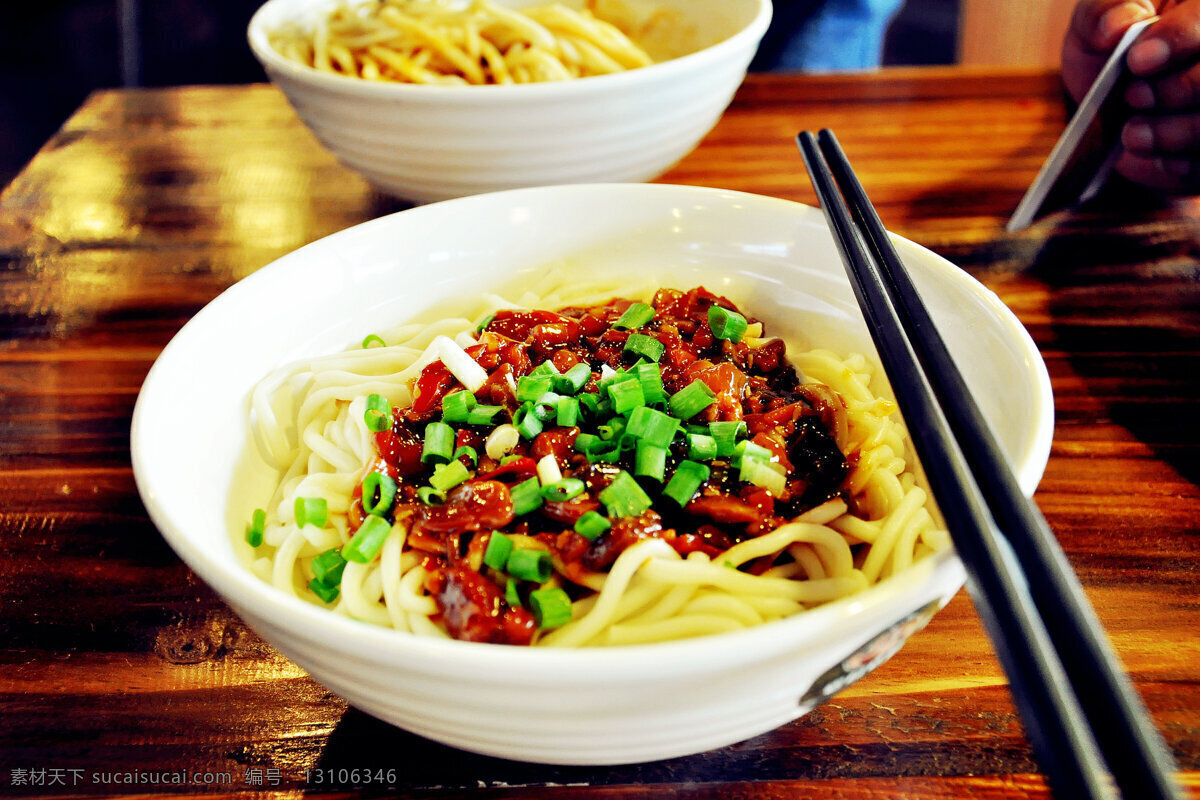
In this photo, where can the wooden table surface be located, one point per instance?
(118, 665)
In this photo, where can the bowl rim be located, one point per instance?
(274, 61)
(252, 597)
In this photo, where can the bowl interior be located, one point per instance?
(774, 257)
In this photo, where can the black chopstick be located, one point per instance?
(1074, 700)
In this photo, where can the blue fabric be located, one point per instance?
(841, 35)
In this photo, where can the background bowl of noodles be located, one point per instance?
(199, 475)
(433, 141)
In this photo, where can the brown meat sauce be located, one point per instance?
(753, 384)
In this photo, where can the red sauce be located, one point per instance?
(756, 385)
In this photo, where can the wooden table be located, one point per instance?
(117, 660)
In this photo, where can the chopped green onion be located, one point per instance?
(483, 323)
(446, 476)
(456, 406)
(763, 473)
(726, 324)
(526, 422)
(328, 567)
(688, 478)
(526, 496)
(310, 511)
(650, 460)
(373, 339)
(511, 595)
(378, 493)
(483, 415)
(726, 435)
(612, 430)
(547, 470)
(327, 593)
(431, 496)
(589, 404)
(378, 416)
(529, 564)
(546, 369)
(468, 452)
(551, 607)
(645, 346)
(532, 387)
(626, 396)
(256, 527)
(701, 447)
(691, 399)
(636, 316)
(649, 375)
(508, 459)
(439, 443)
(495, 555)
(367, 540)
(587, 442)
(568, 412)
(624, 497)
(748, 449)
(563, 490)
(653, 426)
(591, 525)
(546, 407)
(573, 380)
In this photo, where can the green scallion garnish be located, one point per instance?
(567, 412)
(467, 452)
(626, 396)
(762, 473)
(726, 435)
(328, 567)
(310, 511)
(701, 447)
(529, 564)
(546, 407)
(645, 346)
(726, 324)
(431, 496)
(483, 415)
(526, 421)
(526, 496)
(688, 478)
(378, 416)
(511, 595)
(256, 527)
(367, 540)
(495, 555)
(531, 387)
(378, 493)
(438, 446)
(573, 380)
(636, 316)
(650, 460)
(691, 399)
(457, 406)
(562, 491)
(591, 525)
(373, 339)
(551, 607)
(748, 449)
(446, 476)
(653, 426)
(649, 375)
(327, 593)
(624, 497)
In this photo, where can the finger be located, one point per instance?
(1173, 91)
(1096, 27)
(1173, 135)
(1172, 41)
(1175, 175)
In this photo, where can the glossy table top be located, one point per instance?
(120, 673)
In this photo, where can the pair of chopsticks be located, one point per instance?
(1087, 726)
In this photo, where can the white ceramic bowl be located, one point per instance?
(601, 705)
(428, 143)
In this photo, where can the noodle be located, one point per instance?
(309, 421)
(475, 43)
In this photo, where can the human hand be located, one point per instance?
(1161, 141)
